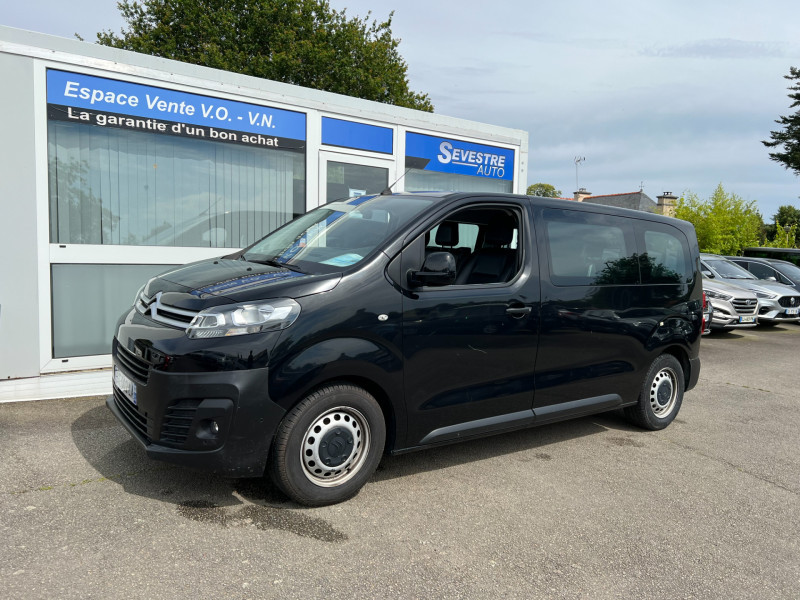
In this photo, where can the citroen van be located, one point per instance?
(399, 322)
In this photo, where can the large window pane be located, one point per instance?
(115, 186)
(88, 300)
(345, 180)
(417, 180)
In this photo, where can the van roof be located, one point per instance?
(557, 203)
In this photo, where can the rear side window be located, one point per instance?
(590, 249)
(760, 270)
(665, 256)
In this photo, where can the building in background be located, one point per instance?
(117, 166)
(635, 200)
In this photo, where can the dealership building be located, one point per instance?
(117, 165)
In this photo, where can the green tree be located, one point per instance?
(725, 223)
(784, 236)
(302, 42)
(787, 218)
(543, 189)
(787, 140)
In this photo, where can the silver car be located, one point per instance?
(734, 306)
(776, 302)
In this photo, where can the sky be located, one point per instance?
(659, 95)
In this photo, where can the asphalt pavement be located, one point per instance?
(591, 508)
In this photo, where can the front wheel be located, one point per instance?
(328, 446)
(661, 394)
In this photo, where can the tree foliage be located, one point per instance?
(302, 42)
(787, 140)
(783, 236)
(784, 232)
(544, 190)
(725, 223)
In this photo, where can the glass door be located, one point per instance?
(344, 176)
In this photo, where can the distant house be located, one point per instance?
(635, 200)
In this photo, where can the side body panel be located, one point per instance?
(470, 350)
(601, 330)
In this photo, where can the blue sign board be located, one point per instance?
(348, 134)
(430, 153)
(113, 103)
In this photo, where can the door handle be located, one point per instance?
(518, 311)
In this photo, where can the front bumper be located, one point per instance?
(771, 310)
(221, 422)
(725, 316)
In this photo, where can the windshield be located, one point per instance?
(729, 270)
(337, 235)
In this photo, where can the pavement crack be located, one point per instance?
(72, 484)
(735, 467)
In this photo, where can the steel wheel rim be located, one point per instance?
(664, 392)
(328, 459)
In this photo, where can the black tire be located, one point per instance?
(661, 395)
(328, 446)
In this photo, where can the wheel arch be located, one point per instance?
(682, 357)
(362, 362)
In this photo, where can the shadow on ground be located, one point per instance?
(225, 502)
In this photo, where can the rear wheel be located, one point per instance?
(328, 446)
(661, 395)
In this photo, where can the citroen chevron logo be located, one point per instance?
(154, 304)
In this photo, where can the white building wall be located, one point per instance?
(19, 272)
(26, 251)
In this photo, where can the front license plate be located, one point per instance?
(125, 385)
(751, 319)
(792, 311)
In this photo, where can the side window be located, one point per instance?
(665, 254)
(451, 234)
(590, 249)
(762, 271)
(483, 242)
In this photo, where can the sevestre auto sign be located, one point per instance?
(107, 102)
(431, 153)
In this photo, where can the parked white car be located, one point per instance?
(776, 302)
(734, 306)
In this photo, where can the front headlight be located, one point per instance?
(718, 295)
(766, 295)
(242, 319)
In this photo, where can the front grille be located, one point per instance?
(163, 313)
(744, 306)
(789, 301)
(131, 413)
(177, 422)
(138, 368)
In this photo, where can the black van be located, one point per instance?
(403, 321)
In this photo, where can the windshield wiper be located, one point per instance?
(273, 262)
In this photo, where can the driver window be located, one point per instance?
(483, 242)
(761, 271)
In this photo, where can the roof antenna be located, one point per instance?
(578, 160)
(388, 190)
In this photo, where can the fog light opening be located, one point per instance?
(213, 427)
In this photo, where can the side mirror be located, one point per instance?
(771, 279)
(439, 268)
(708, 274)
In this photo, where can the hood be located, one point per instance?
(727, 287)
(766, 286)
(223, 281)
